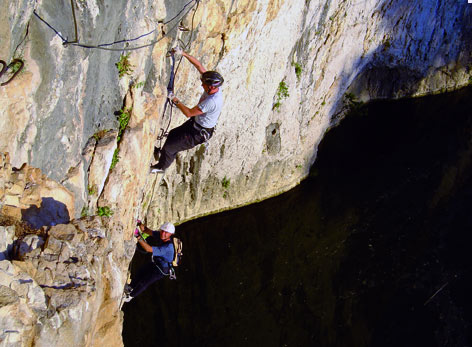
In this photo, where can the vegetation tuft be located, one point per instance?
(124, 66)
(353, 105)
(15, 67)
(84, 212)
(115, 159)
(298, 70)
(92, 190)
(124, 116)
(139, 85)
(225, 182)
(282, 93)
(99, 134)
(105, 211)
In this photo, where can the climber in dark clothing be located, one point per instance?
(162, 255)
(203, 117)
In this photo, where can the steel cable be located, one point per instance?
(103, 45)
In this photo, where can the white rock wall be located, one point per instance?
(67, 94)
(371, 49)
(53, 115)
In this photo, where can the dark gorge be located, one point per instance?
(371, 250)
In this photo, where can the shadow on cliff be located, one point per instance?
(50, 213)
(431, 43)
(351, 257)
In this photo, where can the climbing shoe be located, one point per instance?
(127, 298)
(156, 170)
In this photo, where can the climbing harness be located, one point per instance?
(171, 273)
(206, 133)
(11, 66)
(175, 261)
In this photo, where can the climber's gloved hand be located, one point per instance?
(138, 229)
(177, 50)
(170, 96)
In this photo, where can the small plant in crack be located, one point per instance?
(105, 211)
(92, 190)
(124, 66)
(123, 118)
(225, 182)
(15, 66)
(84, 212)
(115, 159)
(99, 134)
(298, 70)
(139, 85)
(282, 93)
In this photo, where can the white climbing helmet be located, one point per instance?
(169, 227)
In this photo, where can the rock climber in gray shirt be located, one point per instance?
(202, 117)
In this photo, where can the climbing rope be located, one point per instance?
(103, 46)
(15, 62)
(170, 87)
(16, 65)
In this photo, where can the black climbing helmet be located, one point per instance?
(212, 78)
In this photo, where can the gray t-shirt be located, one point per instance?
(211, 106)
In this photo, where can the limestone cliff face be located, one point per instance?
(319, 49)
(60, 283)
(292, 70)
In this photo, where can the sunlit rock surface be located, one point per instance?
(60, 284)
(59, 114)
(66, 94)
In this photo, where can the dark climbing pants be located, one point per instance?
(179, 139)
(147, 275)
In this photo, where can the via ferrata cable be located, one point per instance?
(103, 46)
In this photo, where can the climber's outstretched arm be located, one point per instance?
(144, 229)
(195, 62)
(145, 245)
(194, 111)
(188, 112)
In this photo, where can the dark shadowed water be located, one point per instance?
(372, 250)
